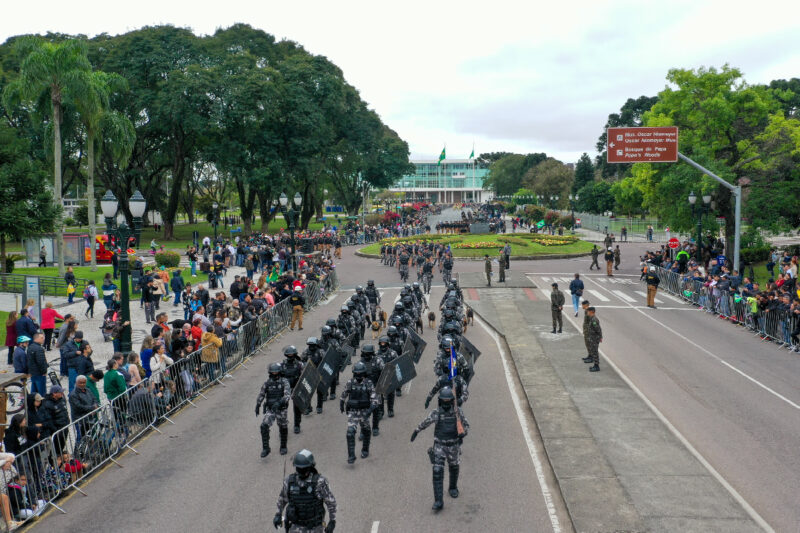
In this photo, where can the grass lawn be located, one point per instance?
(86, 273)
(3, 317)
(517, 249)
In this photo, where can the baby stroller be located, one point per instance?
(109, 322)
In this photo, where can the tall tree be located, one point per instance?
(51, 70)
(92, 103)
(550, 178)
(584, 172)
(27, 199)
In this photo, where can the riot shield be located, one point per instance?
(419, 345)
(353, 339)
(469, 350)
(306, 386)
(396, 374)
(346, 352)
(329, 367)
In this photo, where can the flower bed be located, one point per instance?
(476, 245)
(550, 240)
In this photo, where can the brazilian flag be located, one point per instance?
(540, 224)
(441, 157)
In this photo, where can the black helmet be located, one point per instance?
(451, 302)
(359, 289)
(354, 298)
(312, 341)
(326, 330)
(397, 320)
(290, 351)
(403, 292)
(383, 340)
(370, 283)
(446, 398)
(275, 368)
(368, 349)
(305, 459)
(449, 313)
(331, 322)
(345, 309)
(415, 284)
(407, 286)
(452, 285)
(391, 331)
(407, 300)
(444, 344)
(398, 306)
(351, 304)
(359, 369)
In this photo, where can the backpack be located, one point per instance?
(86, 292)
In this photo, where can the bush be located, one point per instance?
(168, 259)
(535, 212)
(566, 221)
(70, 222)
(10, 259)
(82, 215)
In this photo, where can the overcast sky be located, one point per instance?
(520, 76)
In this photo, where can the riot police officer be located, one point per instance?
(449, 432)
(345, 322)
(388, 355)
(374, 368)
(292, 368)
(374, 298)
(274, 396)
(328, 340)
(305, 494)
(462, 388)
(359, 400)
(314, 353)
(417, 292)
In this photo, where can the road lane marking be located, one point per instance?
(622, 296)
(598, 295)
(375, 526)
(738, 497)
(718, 358)
(516, 395)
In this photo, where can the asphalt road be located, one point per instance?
(734, 397)
(205, 474)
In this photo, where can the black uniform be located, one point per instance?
(292, 368)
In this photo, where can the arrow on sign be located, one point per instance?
(611, 145)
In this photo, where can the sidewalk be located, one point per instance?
(102, 351)
(618, 467)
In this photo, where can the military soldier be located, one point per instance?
(359, 400)
(594, 337)
(585, 306)
(274, 396)
(292, 368)
(595, 253)
(305, 494)
(652, 281)
(617, 257)
(556, 306)
(449, 432)
(502, 269)
(609, 257)
(487, 267)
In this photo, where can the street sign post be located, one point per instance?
(642, 145)
(674, 243)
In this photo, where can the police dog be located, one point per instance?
(432, 320)
(376, 329)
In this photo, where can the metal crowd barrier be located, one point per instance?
(776, 324)
(60, 462)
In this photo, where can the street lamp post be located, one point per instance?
(701, 210)
(290, 215)
(137, 199)
(123, 233)
(215, 216)
(572, 200)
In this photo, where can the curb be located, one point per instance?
(359, 253)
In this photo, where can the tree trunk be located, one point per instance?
(90, 199)
(169, 230)
(263, 208)
(59, 237)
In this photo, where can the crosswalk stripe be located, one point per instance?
(623, 296)
(545, 279)
(644, 294)
(599, 295)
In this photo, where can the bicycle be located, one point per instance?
(100, 441)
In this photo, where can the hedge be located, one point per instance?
(168, 259)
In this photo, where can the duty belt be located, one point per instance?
(449, 442)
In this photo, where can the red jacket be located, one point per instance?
(49, 316)
(11, 335)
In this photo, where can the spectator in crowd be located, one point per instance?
(37, 365)
(56, 416)
(11, 335)
(81, 400)
(25, 324)
(113, 381)
(20, 359)
(49, 316)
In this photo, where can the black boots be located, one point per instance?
(588, 359)
(594, 368)
(351, 448)
(365, 446)
(264, 441)
(390, 404)
(284, 436)
(554, 330)
(438, 487)
(453, 489)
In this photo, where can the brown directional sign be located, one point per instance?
(642, 145)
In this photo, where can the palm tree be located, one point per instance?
(92, 103)
(54, 70)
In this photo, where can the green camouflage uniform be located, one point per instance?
(594, 335)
